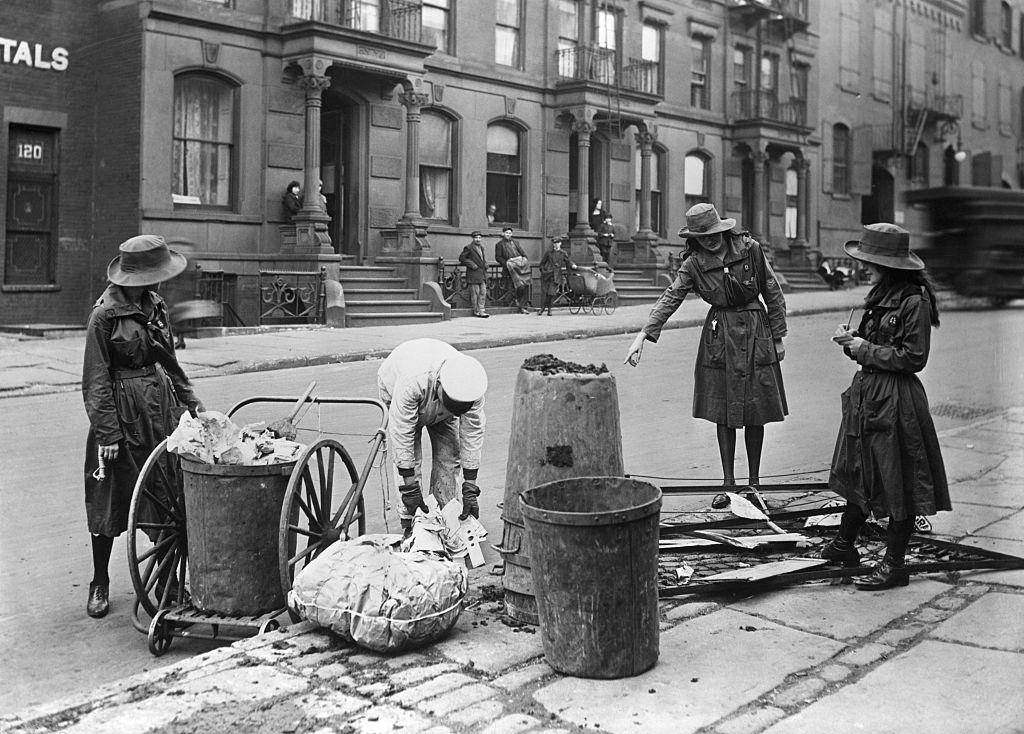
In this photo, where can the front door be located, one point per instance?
(339, 147)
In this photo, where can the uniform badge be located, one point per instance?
(892, 320)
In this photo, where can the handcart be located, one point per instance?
(323, 502)
(589, 291)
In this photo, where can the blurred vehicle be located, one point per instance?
(973, 239)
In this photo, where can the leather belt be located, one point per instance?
(140, 372)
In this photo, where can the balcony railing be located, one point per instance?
(642, 76)
(764, 105)
(940, 106)
(792, 12)
(399, 19)
(600, 66)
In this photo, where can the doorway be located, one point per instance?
(339, 171)
(880, 206)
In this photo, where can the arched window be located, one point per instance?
(658, 158)
(917, 171)
(436, 166)
(505, 172)
(696, 179)
(203, 140)
(841, 167)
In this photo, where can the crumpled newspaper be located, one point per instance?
(213, 438)
(381, 598)
(441, 531)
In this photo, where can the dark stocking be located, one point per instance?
(849, 527)
(753, 440)
(897, 537)
(727, 450)
(101, 547)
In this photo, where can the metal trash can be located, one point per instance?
(232, 517)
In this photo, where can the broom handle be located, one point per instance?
(299, 403)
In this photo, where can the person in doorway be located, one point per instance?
(597, 215)
(427, 383)
(606, 239)
(737, 378)
(492, 213)
(512, 259)
(292, 200)
(134, 391)
(553, 268)
(475, 260)
(887, 460)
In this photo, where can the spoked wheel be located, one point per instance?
(576, 306)
(592, 304)
(611, 302)
(157, 543)
(160, 634)
(322, 503)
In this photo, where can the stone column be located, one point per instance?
(311, 235)
(645, 238)
(412, 229)
(760, 223)
(582, 237)
(803, 200)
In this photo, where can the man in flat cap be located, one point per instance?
(427, 383)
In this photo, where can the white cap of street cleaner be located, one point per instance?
(463, 380)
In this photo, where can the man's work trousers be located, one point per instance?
(444, 451)
(478, 297)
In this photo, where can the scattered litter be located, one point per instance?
(684, 573)
(213, 438)
(766, 570)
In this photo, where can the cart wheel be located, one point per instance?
(319, 508)
(157, 544)
(269, 626)
(611, 302)
(576, 306)
(160, 634)
(592, 305)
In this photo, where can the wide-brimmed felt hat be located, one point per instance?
(885, 244)
(145, 260)
(703, 219)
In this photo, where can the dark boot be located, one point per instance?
(887, 575)
(840, 552)
(99, 601)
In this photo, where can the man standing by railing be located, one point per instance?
(512, 259)
(475, 260)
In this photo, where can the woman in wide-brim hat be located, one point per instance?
(887, 461)
(135, 391)
(737, 378)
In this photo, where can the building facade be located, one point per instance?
(410, 123)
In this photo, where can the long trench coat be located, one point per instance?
(134, 391)
(737, 380)
(887, 458)
(552, 271)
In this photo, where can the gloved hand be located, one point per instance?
(470, 504)
(412, 497)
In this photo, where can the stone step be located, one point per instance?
(391, 319)
(632, 279)
(348, 281)
(385, 307)
(379, 294)
(357, 270)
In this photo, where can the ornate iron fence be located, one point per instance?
(452, 278)
(292, 297)
(764, 105)
(393, 18)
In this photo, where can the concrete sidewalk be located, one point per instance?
(945, 654)
(35, 365)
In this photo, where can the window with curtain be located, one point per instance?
(436, 166)
(203, 140)
(841, 150)
(650, 51)
(700, 55)
(504, 172)
(506, 33)
(435, 23)
(769, 85)
(607, 40)
(741, 81)
(696, 172)
(791, 203)
(363, 15)
(568, 38)
(657, 174)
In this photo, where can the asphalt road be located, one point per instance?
(51, 649)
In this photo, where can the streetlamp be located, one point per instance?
(948, 127)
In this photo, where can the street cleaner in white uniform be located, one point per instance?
(427, 383)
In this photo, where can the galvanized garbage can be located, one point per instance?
(594, 545)
(232, 516)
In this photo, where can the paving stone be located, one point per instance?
(375, 689)
(931, 614)
(898, 635)
(689, 610)
(516, 679)
(865, 654)
(699, 659)
(438, 730)
(408, 659)
(752, 721)
(840, 612)
(433, 687)
(415, 675)
(512, 724)
(328, 704)
(308, 662)
(949, 602)
(494, 652)
(367, 659)
(332, 671)
(799, 692)
(834, 672)
(477, 713)
(454, 700)
(967, 518)
(389, 719)
(972, 590)
(994, 621)
(904, 690)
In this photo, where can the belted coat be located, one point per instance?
(887, 458)
(475, 260)
(737, 379)
(134, 391)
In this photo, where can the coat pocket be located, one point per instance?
(879, 416)
(764, 352)
(713, 347)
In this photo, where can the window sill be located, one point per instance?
(201, 215)
(27, 288)
(841, 197)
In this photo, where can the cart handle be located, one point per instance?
(315, 400)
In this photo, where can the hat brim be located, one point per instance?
(724, 225)
(910, 262)
(175, 265)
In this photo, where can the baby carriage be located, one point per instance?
(592, 291)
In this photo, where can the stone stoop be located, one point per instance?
(375, 296)
(635, 288)
(802, 279)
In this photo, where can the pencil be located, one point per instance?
(849, 321)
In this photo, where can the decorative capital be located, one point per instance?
(413, 101)
(645, 139)
(759, 157)
(314, 83)
(803, 165)
(583, 127)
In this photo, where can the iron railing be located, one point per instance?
(292, 297)
(399, 19)
(751, 104)
(500, 292)
(601, 66)
(936, 105)
(793, 9)
(641, 75)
